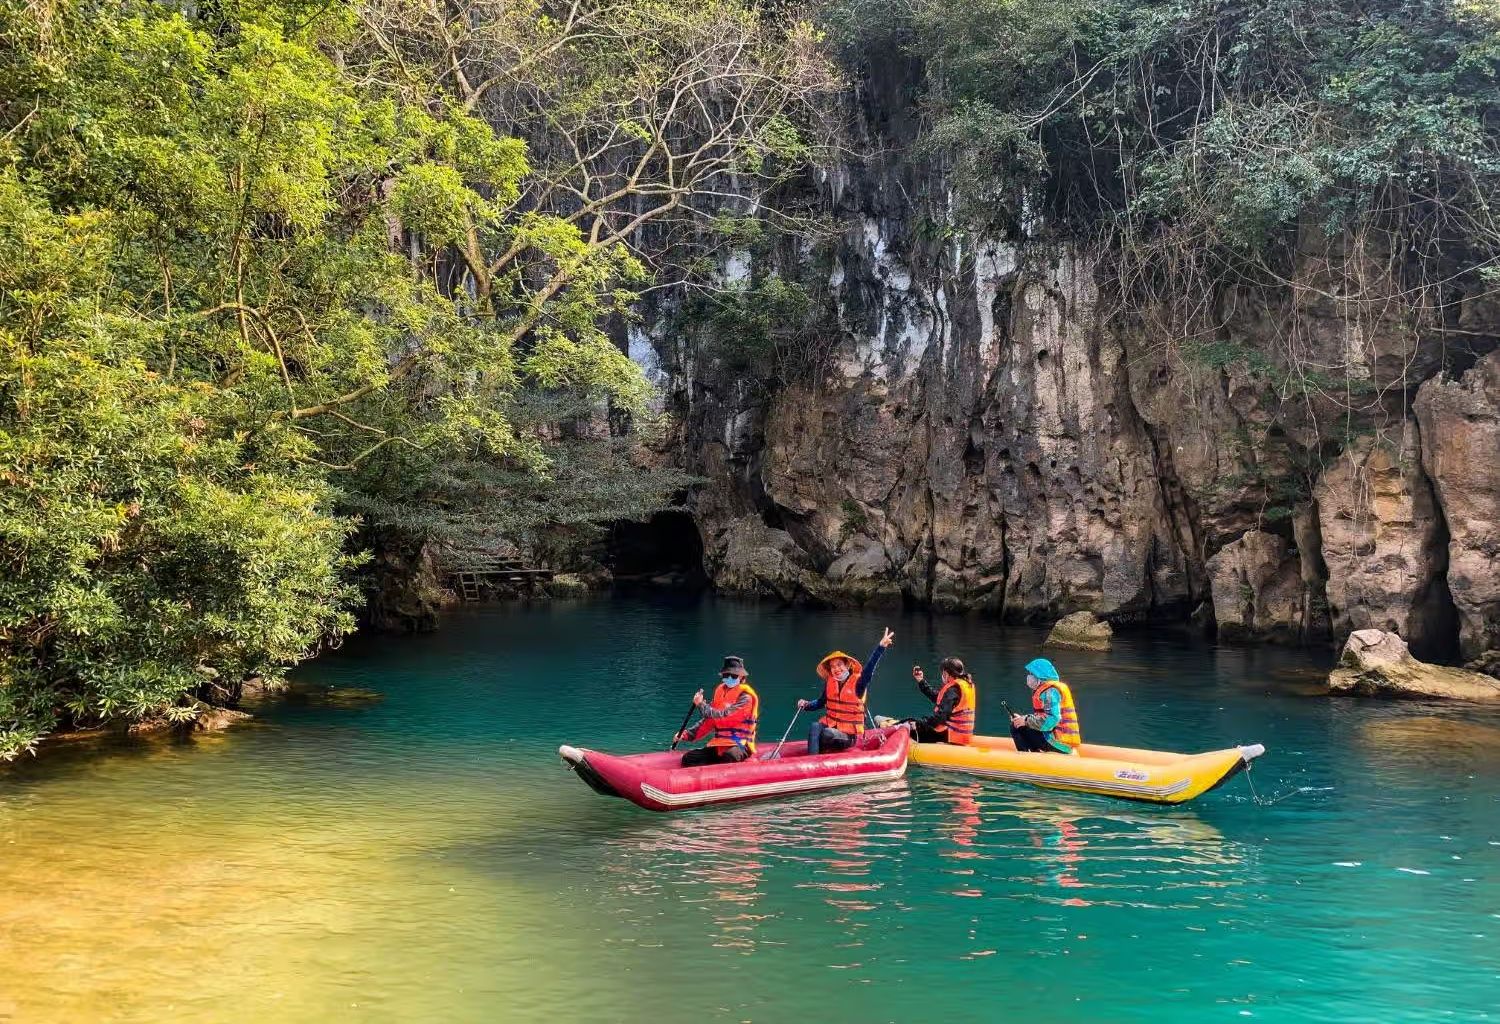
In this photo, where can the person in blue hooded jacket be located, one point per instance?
(1052, 726)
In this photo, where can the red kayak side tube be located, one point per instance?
(658, 782)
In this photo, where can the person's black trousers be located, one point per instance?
(1032, 741)
(927, 734)
(714, 755)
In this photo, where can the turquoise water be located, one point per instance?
(429, 858)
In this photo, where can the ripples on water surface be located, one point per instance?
(428, 857)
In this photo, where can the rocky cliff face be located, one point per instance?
(977, 450)
(1461, 453)
(1383, 542)
(985, 435)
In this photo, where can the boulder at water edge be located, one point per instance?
(1488, 663)
(1377, 664)
(1081, 630)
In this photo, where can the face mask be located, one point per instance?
(841, 673)
(730, 680)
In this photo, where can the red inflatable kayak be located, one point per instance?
(658, 782)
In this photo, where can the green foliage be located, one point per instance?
(1273, 478)
(147, 543)
(1295, 381)
(1340, 158)
(1225, 353)
(856, 519)
(1246, 117)
(434, 200)
(216, 351)
(755, 329)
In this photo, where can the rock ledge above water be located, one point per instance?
(1377, 664)
(1488, 663)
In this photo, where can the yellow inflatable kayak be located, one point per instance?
(1155, 776)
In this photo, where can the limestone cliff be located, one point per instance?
(1461, 452)
(984, 432)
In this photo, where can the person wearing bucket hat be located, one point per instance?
(845, 682)
(1052, 726)
(731, 717)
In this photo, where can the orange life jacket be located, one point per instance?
(1067, 732)
(960, 724)
(737, 730)
(843, 709)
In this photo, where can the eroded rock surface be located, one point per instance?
(983, 428)
(1383, 542)
(1461, 451)
(1082, 631)
(1378, 664)
(1258, 588)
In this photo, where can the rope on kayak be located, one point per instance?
(1262, 801)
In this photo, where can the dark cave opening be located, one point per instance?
(664, 551)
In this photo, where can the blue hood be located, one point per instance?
(1042, 669)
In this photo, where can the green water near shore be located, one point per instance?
(427, 857)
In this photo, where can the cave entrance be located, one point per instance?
(664, 551)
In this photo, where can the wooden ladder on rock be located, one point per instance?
(468, 585)
(474, 573)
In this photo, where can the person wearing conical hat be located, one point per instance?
(1052, 726)
(845, 683)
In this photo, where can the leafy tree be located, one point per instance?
(263, 270)
(648, 125)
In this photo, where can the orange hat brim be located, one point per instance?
(855, 668)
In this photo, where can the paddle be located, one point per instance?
(773, 755)
(691, 708)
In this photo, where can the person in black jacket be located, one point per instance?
(952, 718)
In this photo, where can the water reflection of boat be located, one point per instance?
(854, 830)
(835, 839)
(1086, 855)
(1181, 828)
(733, 875)
(964, 817)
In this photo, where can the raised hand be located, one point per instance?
(698, 699)
(917, 673)
(887, 639)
